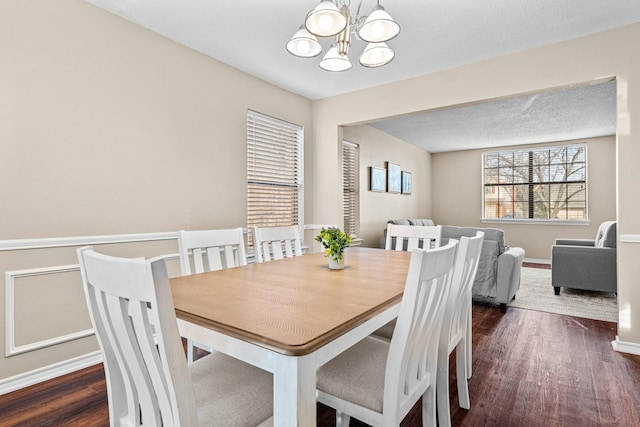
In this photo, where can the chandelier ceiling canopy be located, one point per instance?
(333, 18)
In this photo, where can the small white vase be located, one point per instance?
(336, 265)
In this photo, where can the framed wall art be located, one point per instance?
(393, 178)
(406, 182)
(377, 179)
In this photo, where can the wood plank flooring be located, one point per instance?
(529, 369)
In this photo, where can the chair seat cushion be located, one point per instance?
(230, 392)
(357, 375)
(386, 331)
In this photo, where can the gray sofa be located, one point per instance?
(588, 264)
(498, 276)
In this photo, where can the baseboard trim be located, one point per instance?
(49, 372)
(625, 347)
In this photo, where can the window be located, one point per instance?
(275, 174)
(351, 185)
(540, 183)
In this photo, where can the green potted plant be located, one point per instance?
(334, 242)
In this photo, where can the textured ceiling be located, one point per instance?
(436, 35)
(561, 115)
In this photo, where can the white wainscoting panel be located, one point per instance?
(12, 284)
(9, 282)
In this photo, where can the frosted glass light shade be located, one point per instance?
(333, 61)
(325, 20)
(304, 44)
(379, 27)
(376, 55)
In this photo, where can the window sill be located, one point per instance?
(535, 221)
(357, 241)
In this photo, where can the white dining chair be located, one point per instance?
(377, 381)
(276, 243)
(408, 237)
(148, 380)
(456, 328)
(209, 250)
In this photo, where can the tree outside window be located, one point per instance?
(541, 183)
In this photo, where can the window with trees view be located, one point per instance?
(537, 183)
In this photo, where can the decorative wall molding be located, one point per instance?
(45, 373)
(60, 242)
(9, 312)
(630, 238)
(10, 348)
(625, 346)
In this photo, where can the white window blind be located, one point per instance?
(351, 186)
(275, 172)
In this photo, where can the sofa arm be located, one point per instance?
(508, 281)
(576, 242)
(584, 267)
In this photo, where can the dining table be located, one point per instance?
(291, 316)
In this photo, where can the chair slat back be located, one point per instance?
(459, 299)
(276, 243)
(416, 236)
(211, 250)
(413, 352)
(132, 312)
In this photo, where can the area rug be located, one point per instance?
(536, 293)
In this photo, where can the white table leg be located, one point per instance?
(294, 392)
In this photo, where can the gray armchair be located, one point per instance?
(584, 263)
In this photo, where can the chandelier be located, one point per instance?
(333, 18)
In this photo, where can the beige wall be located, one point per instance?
(457, 197)
(110, 128)
(107, 128)
(594, 57)
(376, 209)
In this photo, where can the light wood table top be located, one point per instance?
(293, 306)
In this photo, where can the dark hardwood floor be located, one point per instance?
(544, 266)
(529, 369)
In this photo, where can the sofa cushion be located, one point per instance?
(399, 221)
(606, 235)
